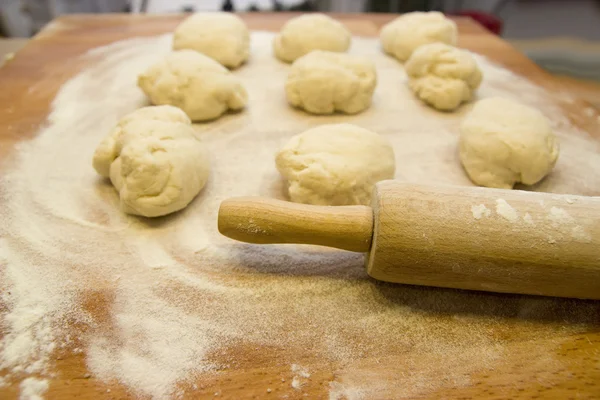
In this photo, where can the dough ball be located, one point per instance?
(442, 76)
(197, 84)
(403, 35)
(222, 36)
(335, 165)
(154, 161)
(503, 142)
(309, 32)
(323, 82)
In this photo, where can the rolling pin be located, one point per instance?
(458, 237)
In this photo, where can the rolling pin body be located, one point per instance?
(447, 236)
(486, 239)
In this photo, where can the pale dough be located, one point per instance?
(154, 160)
(442, 75)
(222, 36)
(336, 164)
(308, 32)
(322, 82)
(406, 33)
(197, 84)
(503, 142)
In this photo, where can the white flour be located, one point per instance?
(528, 220)
(300, 376)
(559, 216)
(33, 389)
(506, 211)
(480, 211)
(156, 304)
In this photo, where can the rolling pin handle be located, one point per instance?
(263, 221)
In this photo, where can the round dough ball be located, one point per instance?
(197, 84)
(503, 142)
(335, 165)
(403, 35)
(323, 82)
(221, 36)
(442, 75)
(154, 160)
(309, 32)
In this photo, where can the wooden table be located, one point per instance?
(50, 59)
(9, 46)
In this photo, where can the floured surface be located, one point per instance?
(162, 305)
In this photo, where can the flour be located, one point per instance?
(589, 111)
(33, 389)
(528, 220)
(559, 216)
(566, 227)
(338, 391)
(157, 305)
(300, 371)
(506, 211)
(480, 211)
(580, 234)
(296, 383)
(300, 376)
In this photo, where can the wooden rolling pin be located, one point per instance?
(458, 237)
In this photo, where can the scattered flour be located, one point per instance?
(33, 389)
(300, 376)
(300, 371)
(589, 111)
(296, 383)
(566, 227)
(480, 211)
(157, 304)
(506, 211)
(578, 233)
(559, 216)
(528, 220)
(338, 391)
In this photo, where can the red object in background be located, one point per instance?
(489, 21)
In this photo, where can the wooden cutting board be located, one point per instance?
(51, 58)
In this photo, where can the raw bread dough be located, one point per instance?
(309, 32)
(503, 142)
(335, 164)
(442, 75)
(403, 35)
(154, 161)
(197, 84)
(221, 36)
(322, 82)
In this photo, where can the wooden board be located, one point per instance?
(51, 58)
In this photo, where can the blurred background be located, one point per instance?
(562, 36)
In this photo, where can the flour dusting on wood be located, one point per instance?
(480, 211)
(160, 305)
(506, 211)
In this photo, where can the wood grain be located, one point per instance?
(29, 83)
